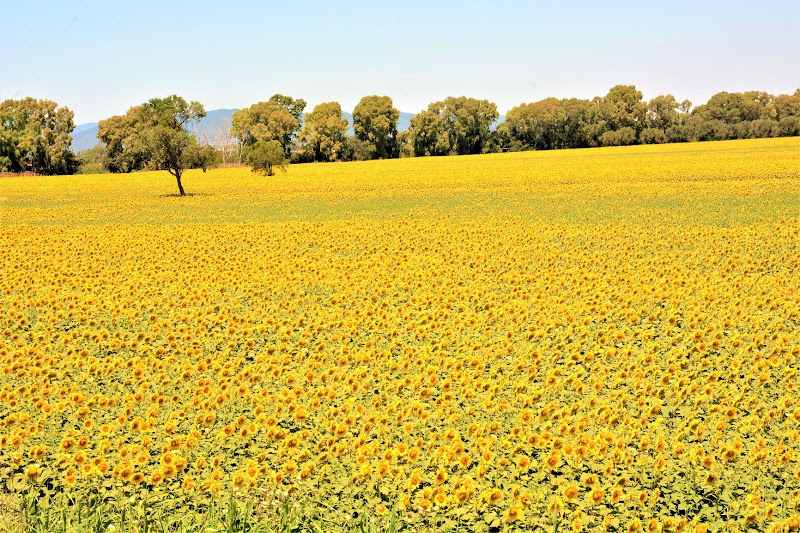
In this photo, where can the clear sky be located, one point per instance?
(99, 58)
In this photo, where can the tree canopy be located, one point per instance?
(125, 150)
(278, 119)
(427, 134)
(266, 156)
(467, 122)
(375, 122)
(35, 136)
(155, 135)
(170, 146)
(456, 125)
(623, 107)
(324, 132)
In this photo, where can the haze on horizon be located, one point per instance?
(99, 59)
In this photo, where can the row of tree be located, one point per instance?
(463, 125)
(622, 117)
(163, 133)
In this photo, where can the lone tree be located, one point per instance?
(266, 156)
(170, 145)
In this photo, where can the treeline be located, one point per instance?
(622, 117)
(161, 133)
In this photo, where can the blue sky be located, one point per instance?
(99, 58)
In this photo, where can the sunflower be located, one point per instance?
(514, 512)
(494, 496)
(633, 526)
(571, 493)
(32, 472)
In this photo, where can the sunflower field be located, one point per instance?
(585, 340)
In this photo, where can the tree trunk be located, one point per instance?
(180, 186)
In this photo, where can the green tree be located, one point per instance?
(663, 112)
(621, 137)
(652, 136)
(723, 106)
(501, 140)
(125, 150)
(467, 122)
(427, 134)
(324, 132)
(354, 149)
(623, 107)
(787, 105)
(553, 123)
(539, 125)
(295, 106)
(580, 123)
(278, 119)
(266, 156)
(405, 145)
(202, 156)
(169, 145)
(758, 105)
(35, 136)
(91, 160)
(375, 122)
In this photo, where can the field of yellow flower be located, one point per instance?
(588, 339)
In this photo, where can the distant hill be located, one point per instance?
(85, 135)
(215, 118)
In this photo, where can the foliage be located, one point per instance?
(274, 512)
(125, 149)
(91, 160)
(375, 122)
(266, 156)
(652, 136)
(324, 134)
(35, 137)
(623, 107)
(354, 149)
(155, 135)
(662, 112)
(466, 122)
(552, 123)
(621, 137)
(453, 126)
(278, 119)
(405, 147)
(574, 123)
(428, 135)
(546, 340)
(163, 132)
